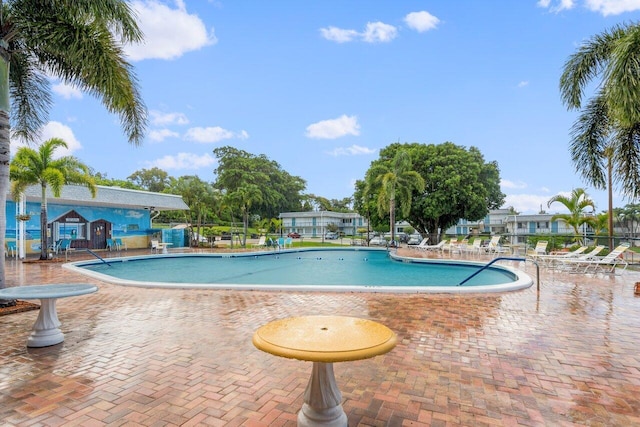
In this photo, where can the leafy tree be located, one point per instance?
(30, 167)
(628, 218)
(79, 42)
(600, 224)
(154, 179)
(202, 199)
(244, 198)
(394, 183)
(102, 179)
(576, 204)
(279, 191)
(458, 184)
(604, 139)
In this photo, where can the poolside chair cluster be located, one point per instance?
(269, 243)
(63, 245)
(580, 261)
(116, 244)
(425, 246)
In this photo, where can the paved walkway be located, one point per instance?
(568, 355)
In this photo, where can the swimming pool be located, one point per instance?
(306, 269)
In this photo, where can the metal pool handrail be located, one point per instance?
(487, 265)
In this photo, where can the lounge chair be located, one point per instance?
(280, 242)
(288, 242)
(437, 247)
(538, 250)
(607, 263)
(155, 245)
(11, 249)
(420, 245)
(120, 244)
(262, 242)
(553, 257)
(575, 262)
(474, 247)
(110, 245)
(493, 247)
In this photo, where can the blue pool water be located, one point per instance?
(317, 269)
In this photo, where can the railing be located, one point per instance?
(487, 265)
(97, 256)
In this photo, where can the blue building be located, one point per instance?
(115, 213)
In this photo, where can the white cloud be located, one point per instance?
(53, 130)
(158, 118)
(67, 91)
(338, 34)
(159, 135)
(526, 203)
(523, 83)
(374, 32)
(505, 183)
(379, 32)
(335, 128)
(613, 7)
(354, 150)
(188, 161)
(213, 134)
(168, 33)
(559, 5)
(421, 21)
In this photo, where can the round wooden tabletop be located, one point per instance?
(325, 338)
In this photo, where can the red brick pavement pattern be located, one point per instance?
(167, 357)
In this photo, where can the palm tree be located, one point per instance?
(576, 203)
(244, 197)
(77, 41)
(394, 186)
(599, 223)
(604, 146)
(30, 167)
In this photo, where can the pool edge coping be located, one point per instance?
(523, 281)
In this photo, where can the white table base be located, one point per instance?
(46, 330)
(322, 399)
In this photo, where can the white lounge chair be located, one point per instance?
(573, 264)
(553, 257)
(437, 247)
(474, 247)
(493, 247)
(539, 250)
(420, 245)
(607, 263)
(262, 242)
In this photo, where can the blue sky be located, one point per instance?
(321, 86)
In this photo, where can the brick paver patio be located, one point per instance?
(568, 355)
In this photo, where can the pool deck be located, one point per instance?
(568, 355)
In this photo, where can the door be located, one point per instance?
(99, 231)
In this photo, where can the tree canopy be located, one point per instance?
(278, 190)
(459, 184)
(80, 42)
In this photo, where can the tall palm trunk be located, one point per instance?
(392, 217)
(610, 194)
(43, 223)
(5, 155)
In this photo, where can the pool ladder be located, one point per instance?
(487, 265)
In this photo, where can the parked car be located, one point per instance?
(331, 235)
(293, 235)
(378, 241)
(414, 239)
